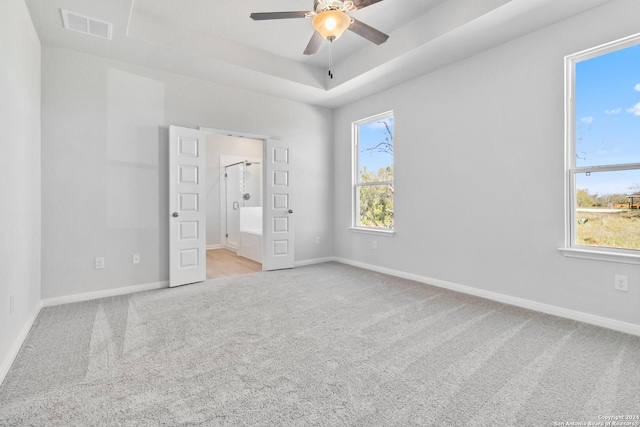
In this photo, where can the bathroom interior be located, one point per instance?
(234, 205)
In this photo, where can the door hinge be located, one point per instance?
(226, 235)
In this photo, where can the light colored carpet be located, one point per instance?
(319, 345)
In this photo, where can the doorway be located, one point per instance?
(190, 187)
(234, 205)
(242, 207)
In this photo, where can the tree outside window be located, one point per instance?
(373, 173)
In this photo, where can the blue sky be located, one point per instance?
(370, 135)
(608, 118)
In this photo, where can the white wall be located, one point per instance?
(19, 176)
(218, 145)
(104, 138)
(479, 154)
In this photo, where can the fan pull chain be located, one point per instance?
(330, 58)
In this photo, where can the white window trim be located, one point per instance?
(571, 249)
(355, 138)
(367, 230)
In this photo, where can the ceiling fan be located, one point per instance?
(330, 19)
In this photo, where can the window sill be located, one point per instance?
(373, 231)
(599, 255)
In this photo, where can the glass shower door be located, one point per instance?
(233, 186)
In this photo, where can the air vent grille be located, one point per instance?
(83, 24)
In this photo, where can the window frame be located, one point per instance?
(355, 176)
(571, 247)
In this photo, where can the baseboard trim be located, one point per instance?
(209, 247)
(314, 261)
(49, 302)
(566, 313)
(17, 344)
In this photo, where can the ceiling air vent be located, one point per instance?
(84, 24)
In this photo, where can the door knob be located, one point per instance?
(175, 215)
(290, 210)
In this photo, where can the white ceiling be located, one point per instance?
(216, 40)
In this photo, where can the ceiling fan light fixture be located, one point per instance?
(331, 24)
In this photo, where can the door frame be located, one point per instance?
(264, 139)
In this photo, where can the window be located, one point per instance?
(603, 150)
(373, 173)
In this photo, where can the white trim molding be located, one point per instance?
(380, 232)
(624, 258)
(17, 344)
(314, 261)
(125, 290)
(629, 328)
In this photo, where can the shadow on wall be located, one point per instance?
(136, 175)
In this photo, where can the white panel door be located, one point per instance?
(187, 226)
(278, 228)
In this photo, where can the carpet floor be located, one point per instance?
(319, 345)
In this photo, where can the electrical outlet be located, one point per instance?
(12, 301)
(99, 263)
(621, 283)
(136, 258)
(375, 245)
(317, 240)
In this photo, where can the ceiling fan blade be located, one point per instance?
(360, 4)
(278, 15)
(314, 43)
(369, 33)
